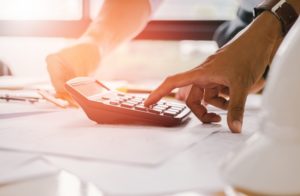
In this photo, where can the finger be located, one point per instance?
(238, 96)
(170, 83)
(68, 98)
(224, 92)
(52, 66)
(183, 93)
(212, 97)
(258, 86)
(194, 103)
(59, 73)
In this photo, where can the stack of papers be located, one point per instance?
(70, 133)
(16, 167)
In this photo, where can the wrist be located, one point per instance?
(94, 43)
(283, 10)
(268, 25)
(83, 57)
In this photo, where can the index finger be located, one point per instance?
(170, 83)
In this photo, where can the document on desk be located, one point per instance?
(11, 160)
(71, 133)
(15, 166)
(194, 169)
(34, 169)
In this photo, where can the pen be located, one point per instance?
(49, 97)
(30, 100)
(19, 96)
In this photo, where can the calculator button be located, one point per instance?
(173, 104)
(170, 113)
(161, 102)
(127, 105)
(114, 102)
(129, 97)
(177, 108)
(123, 100)
(105, 97)
(155, 111)
(121, 94)
(158, 107)
(173, 110)
(141, 108)
(138, 99)
(132, 102)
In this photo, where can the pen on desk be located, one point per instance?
(17, 96)
(49, 97)
(141, 91)
(9, 98)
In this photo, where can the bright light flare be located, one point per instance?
(40, 9)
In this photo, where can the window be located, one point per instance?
(177, 38)
(183, 19)
(65, 10)
(174, 19)
(62, 18)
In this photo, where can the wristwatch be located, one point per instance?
(285, 13)
(282, 10)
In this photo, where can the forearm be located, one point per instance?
(118, 21)
(273, 30)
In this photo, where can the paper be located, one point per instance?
(17, 83)
(11, 160)
(194, 169)
(16, 166)
(20, 109)
(28, 170)
(71, 133)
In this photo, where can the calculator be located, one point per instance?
(106, 106)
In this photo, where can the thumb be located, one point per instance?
(238, 96)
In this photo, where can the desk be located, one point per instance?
(194, 169)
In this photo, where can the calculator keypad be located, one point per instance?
(170, 109)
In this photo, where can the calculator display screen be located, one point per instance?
(89, 89)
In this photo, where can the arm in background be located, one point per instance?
(117, 22)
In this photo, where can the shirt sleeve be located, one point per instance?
(249, 5)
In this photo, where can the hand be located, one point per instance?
(183, 93)
(234, 70)
(79, 59)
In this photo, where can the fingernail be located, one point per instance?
(237, 125)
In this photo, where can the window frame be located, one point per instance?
(155, 30)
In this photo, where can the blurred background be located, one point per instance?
(31, 29)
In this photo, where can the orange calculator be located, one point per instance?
(106, 106)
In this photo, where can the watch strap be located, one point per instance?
(281, 9)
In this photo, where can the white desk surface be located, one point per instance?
(193, 169)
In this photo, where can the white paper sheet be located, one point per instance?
(21, 109)
(195, 169)
(11, 160)
(28, 170)
(71, 133)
